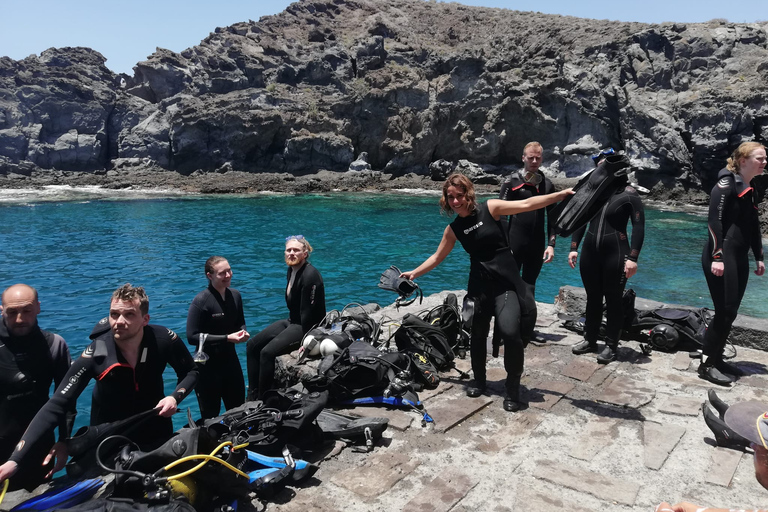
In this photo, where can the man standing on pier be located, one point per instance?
(527, 236)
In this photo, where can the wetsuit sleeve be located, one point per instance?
(551, 234)
(194, 321)
(577, 236)
(757, 236)
(312, 302)
(61, 363)
(504, 192)
(241, 315)
(64, 399)
(186, 371)
(637, 217)
(722, 194)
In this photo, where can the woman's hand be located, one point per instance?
(572, 256)
(565, 193)
(411, 274)
(238, 337)
(717, 268)
(760, 270)
(630, 268)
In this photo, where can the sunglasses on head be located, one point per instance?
(294, 237)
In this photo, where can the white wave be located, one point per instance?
(54, 193)
(416, 191)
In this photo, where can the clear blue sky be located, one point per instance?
(128, 32)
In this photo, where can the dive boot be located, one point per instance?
(608, 354)
(475, 389)
(729, 369)
(584, 347)
(709, 372)
(724, 436)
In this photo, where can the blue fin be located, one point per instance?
(63, 497)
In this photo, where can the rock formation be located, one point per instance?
(409, 83)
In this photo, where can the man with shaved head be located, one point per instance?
(30, 360)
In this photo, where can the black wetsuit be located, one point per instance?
(306, 307)
(221, 377)
(527, 237)
(526, 230)
(28, 366)
(493, 283)
(734, 228)
(605, 252)
(121, 391)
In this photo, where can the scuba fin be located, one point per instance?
(390, 280)
(724, 435)
(590, 194)
(63, 497)
(340, 426)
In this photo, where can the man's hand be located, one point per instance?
(167, 407)
(630, 268)
(717, 268)
(60, 452)
(760, 270)
(549, 254)
(7, 470)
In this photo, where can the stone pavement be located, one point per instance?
(621, 437)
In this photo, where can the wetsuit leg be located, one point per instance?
(727, 291)
(507, 312)
(592, 278)
(478, 348)
(283, 343)
(530, 261)
(209, 386)
(253, 353)
(220, 379)
(614, 252)
(233, 394)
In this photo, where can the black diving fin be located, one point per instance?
(63, 497)
(390, 280)
(590, 194)
(341, 426)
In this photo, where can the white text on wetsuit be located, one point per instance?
(472, 228)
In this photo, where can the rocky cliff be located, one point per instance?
(409, 82)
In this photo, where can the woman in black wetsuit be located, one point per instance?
(607, 261)
(494, 279)
(305, 297)
(216, 314)
(734, 228)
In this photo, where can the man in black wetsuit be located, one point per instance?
(305, 297)
(127, 363)
(530, 244)
(30, 360)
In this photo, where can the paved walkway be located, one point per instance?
(621, 437)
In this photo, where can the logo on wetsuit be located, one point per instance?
(471, 229)
(88, 352)
(73, 380)
(312, 294)
(217, 315)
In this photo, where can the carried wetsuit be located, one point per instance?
(734, 228)
(306, 307)
(605, 252)
(28, 366)
(526, 233)
(221, 377)
(494, 282)
(121, 391)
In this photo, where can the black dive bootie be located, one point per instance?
(724, 436)
(718, 404)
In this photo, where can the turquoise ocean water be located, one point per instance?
(77, 251)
